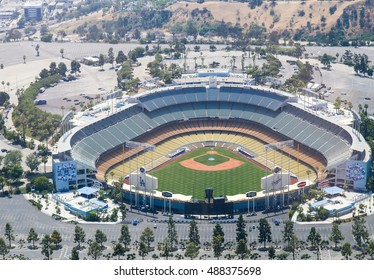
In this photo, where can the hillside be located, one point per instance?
(283, 15)
(324, 21)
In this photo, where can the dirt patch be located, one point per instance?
(194, 165)
(212, 152)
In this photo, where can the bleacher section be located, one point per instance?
(235, 94)
(251, 136)
(229, 114)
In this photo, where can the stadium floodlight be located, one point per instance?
(276, 169)
(145, 147)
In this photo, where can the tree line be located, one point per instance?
(128, 248)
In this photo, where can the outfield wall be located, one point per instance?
(179, 207)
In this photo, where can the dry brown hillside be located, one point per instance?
(285, 15)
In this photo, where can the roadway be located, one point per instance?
(22, 216)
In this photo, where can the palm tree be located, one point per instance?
(366, 106)
(62, 109)
(195, 58)
(62, 53)
(3, 83)
(8, 84)
(37, 49)
(24, 59)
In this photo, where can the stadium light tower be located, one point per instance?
(143, 147)
(275, 147)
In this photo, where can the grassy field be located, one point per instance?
(205, 159)
(177, 179)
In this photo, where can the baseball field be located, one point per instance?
(223, 170)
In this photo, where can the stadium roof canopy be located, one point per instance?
(87, 191)
(333, 191)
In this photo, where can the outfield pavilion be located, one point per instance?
(221, 109)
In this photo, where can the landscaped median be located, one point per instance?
(29, 119)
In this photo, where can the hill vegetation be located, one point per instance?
(332, 22)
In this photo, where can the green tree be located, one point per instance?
(79, 236)
(47, 38)
(370, 249)
(32, 161)
(75, 66)
(336, 235)
(75, 253)
(56, 239)
(62, 69)
(359, 231)
(192, 251)
(47, 246)
(194, 233)
(118, 250)
(242, 249)
(101, 61)
(294, 246)
(241, 233)
(143, 251)
(218, 231)
(125, 237)
(12, 158)
(95, 250)
(172, 232)
(53, 68)
(44, 161)
(111, 56)
(217, 245)
(147, 237)
(264, 234)
(41, 184)
(326, 60)
(15, 172)
(271, 253)
(121, 57)
(346, 250)
(314, 238)
(32, 237)
(37, 47)
(288, 232)
(9, 234)
(165, 248)
(100, 238)
(3, 248)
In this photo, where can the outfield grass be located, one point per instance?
(217, 159)
(178, 179)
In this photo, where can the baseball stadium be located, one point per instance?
(212, 142)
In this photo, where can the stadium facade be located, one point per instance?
(216, 101)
